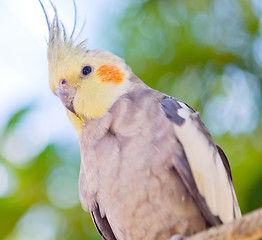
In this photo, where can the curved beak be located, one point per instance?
(66, 95)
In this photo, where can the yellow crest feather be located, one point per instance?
(60, 45)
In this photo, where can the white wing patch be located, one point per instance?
(207, 167)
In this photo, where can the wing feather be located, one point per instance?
(202, 165)
(102, 224)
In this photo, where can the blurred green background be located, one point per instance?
(207, 53)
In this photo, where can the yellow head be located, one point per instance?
(88, 82)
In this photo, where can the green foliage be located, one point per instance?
(29, 207)
(203, 52)
(15, 119)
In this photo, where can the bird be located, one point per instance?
(149, 167)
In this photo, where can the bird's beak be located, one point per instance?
(66, 95)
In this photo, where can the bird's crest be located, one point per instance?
(60, 44)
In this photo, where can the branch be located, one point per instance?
(249, 227)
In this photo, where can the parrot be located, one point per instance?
(149, 167)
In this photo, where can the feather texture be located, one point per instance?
(134, 161)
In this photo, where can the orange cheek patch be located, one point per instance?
(110, 73)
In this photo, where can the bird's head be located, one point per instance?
(87, 82)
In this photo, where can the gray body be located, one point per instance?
(130, 176)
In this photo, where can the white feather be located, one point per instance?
(207, 167)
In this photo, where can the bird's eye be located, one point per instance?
(86, 70)
(63, 82)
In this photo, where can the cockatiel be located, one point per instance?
(149, 167)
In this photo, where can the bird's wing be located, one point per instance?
(102, 224)
(202, 164)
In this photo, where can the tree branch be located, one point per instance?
(249, 227)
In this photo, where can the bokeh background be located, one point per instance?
(205, 52)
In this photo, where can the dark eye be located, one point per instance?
(86, 70)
